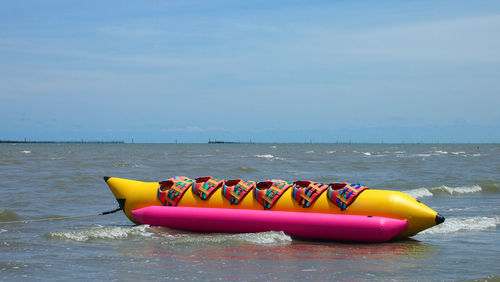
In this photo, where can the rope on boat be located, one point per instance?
(60, 217)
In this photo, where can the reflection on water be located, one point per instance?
(241, 259)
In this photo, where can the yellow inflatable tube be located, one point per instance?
(132, 194)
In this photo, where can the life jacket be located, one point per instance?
(235, 190)
(344, 194)
(306, 192)
(172, 190)
(205, 186)
(268, 192)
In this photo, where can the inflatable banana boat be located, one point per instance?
(306, 209)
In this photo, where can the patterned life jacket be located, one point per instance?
(205, 186)
(235, 190)
(268, 192)
(344, 194)
(306, 192)
(172, 190)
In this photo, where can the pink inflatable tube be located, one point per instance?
(356, 228)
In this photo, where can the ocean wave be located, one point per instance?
(131, 165)
(465, 224)
(245, 169)
(419, 193)
(495, 187)
(443, 190)
(8, 215)
(375, 154)
(26, 152)
(260, 238)
(202, 156)
(437, 153)
(267, 156)
(56, 158)
(103, 233)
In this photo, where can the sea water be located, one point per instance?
(43, 181)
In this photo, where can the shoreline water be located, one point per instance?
(40, 181)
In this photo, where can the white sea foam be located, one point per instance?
(422, 155)
(367, 153)
(57, 158)
(132, 165)
(203, 156)
(419, 193)
(465, 224)
(268, 156)
(102, 233)
(331, 152)
(260, 238)
(26, 152)
(309, 152)
(266, 238)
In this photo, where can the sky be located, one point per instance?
(260, 71)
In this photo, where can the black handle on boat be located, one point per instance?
(121, 203)
(113, 211)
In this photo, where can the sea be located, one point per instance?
(51, 197)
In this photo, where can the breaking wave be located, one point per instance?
(103, 233)
(268, 157)
(260, 238)
(465, 224)
(166, 236)
(132, 165)
(444, 191)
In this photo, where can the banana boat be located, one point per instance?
(306, 209)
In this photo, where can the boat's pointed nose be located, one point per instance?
(133, 194)
(439, 219)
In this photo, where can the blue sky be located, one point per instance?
(266, 71)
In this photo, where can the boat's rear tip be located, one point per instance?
(106, 178)
(439, 219)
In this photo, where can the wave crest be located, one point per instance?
(8, 215)
(443, 190)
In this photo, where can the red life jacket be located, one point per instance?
(172, 190)
(205, 186)
(306, 192)
(344, 194)
(235, 190)
(268, 192)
